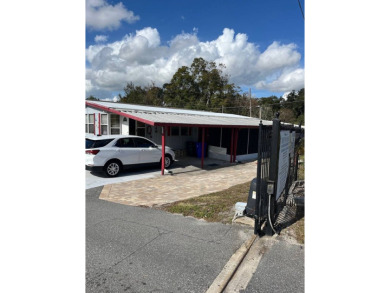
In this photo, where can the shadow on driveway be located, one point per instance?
(181, 166)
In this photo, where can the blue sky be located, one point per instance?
(260, 42)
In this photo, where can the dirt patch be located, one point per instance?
(295, 233)
(301, 168)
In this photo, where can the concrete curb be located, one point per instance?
(104, 194)
(249, 265)
(230, 268)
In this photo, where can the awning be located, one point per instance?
(160, 116)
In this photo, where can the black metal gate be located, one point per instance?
(269, 199)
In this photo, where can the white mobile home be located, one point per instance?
(227, 136)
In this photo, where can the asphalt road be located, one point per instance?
(281, 270)
(134, 249)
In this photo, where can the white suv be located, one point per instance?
(114, 153)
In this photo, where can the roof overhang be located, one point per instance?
(111, 110)
(159, 116)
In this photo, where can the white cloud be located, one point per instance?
(114, 99)
(101, 38)
(285, 95)
(141, 59)
(88, 85)
(287, 81)
(102, 16)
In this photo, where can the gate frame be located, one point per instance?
(266, 201)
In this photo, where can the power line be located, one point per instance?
(236, 107)
(282, 103)
(301, 9)
(264, 105)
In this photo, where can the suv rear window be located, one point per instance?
(91, 144)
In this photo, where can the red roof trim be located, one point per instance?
(118, 112)
(205, 125)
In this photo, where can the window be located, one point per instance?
(140, 128)
(104, 124)
(91, 144)
(184, 131)
(142, 143)
(131, 126)
(125, 143)
(89, 123)
(175, 131)
(115, 125)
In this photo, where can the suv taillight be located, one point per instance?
(92, 152)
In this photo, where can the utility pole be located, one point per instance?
(259, 111)
(250, 103)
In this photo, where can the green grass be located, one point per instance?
(213, 207)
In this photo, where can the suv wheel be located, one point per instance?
(112, 168)
(167, 162)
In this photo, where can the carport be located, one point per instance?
(168, 117)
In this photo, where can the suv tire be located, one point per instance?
(168, 161)
(112, 168)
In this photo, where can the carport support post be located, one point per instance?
(202, 147)
(164, 128)
(235, 144)
(231, 145)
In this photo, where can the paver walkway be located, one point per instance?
(171, 188)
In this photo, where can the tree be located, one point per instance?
(269, 106)
(296, 102)
(153, 95)
(92, 98)
(210, 81)
(299, 109)
(133, 94)
(291, 110)
(201, 86)
(148, 95)
(182, 91)
(287, 115)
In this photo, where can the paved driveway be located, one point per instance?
(179, 186)
(134, 249)
(183, 165)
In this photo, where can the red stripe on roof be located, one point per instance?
(118, 112)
